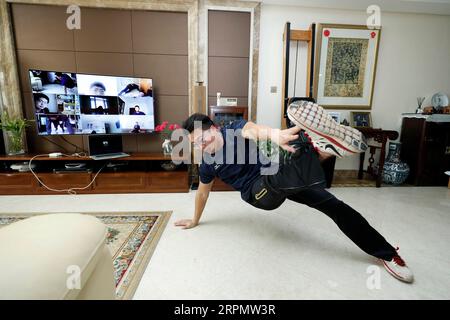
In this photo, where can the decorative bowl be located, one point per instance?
(168, 166)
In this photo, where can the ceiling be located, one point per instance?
(405, 6)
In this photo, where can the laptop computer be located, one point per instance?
(102, 147)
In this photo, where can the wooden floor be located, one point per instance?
(349, 178)
(352, 182)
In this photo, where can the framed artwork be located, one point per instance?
(336, 116)
(222, 116)
(346, 59)
(360, 119)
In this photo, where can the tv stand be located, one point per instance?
(138, 173)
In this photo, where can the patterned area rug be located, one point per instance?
(132, 238)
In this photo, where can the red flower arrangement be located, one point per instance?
(166, 129)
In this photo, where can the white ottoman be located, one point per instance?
(41, 257)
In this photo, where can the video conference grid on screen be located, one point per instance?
(69, 103)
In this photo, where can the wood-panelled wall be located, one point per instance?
(228, 55)
(149, 44)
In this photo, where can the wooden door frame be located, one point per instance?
(289, 35)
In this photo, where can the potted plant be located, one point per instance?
(14, 128)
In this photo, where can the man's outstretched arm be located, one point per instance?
(201, 196)
(280, 137)
(255, 131)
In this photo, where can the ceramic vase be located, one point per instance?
(395, 171)
(167, 147)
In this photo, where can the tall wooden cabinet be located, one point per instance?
(426, 149)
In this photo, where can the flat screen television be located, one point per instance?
(68, 103)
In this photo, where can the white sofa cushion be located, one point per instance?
(37, 253)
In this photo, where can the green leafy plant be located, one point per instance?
(271, 149)
(15, 128)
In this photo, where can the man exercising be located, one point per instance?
(229, 153)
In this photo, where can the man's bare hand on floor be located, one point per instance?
(186, 223)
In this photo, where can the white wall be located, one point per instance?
(413, 61)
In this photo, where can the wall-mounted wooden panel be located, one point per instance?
(104, 30)
(160, 32)
(41, 27)
(228, 55)
(229, 76)
(228, 33)
(105, 45)
(169, 72)
(114, 64)
(175, 108)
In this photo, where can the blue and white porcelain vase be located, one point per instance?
(394, 170)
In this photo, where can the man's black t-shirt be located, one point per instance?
(240, 168)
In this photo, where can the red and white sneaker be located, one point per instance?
(327, 135)
(398, 268)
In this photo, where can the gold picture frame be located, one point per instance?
(360, 119)
(345, 66)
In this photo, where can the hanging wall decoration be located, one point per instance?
(346, 59)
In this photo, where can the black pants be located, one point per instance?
(302, 180)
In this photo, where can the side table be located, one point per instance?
(381, 136)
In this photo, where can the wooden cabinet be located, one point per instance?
(142, 174)
(118, 182)
(17, 183)
(225, 114)
(167, 181)
(63, 181)
(426, 149)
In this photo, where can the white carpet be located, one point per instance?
(294, 252)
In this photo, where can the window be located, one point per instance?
(99, 102)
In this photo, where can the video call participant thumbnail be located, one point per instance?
(94, 85)
(41, 102)
(49, 82)
(97, 88)
(58, 124)
(143, 89)
(100, 105)
(137, 111)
